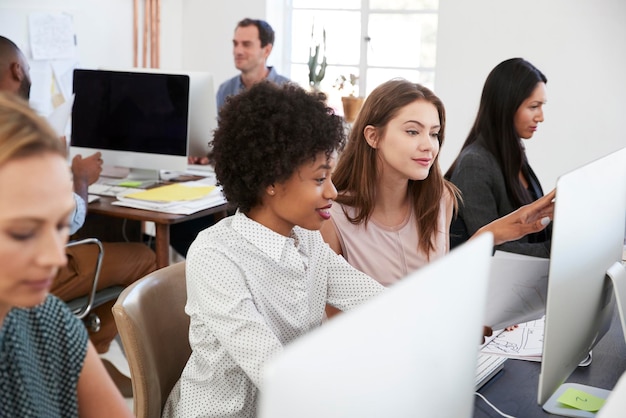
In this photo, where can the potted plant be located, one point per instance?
(351, 102)
(317, 60)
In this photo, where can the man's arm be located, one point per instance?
(85, 171)
(77, 218)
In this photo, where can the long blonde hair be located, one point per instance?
(24, 133)
(356, 174)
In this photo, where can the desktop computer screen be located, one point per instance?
(586, 254)
(137, 120)
(409, 352)
(202, 106)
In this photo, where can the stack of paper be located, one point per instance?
(180, 198)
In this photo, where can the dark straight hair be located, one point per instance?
(507, 86)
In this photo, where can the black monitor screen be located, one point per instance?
(125, 111)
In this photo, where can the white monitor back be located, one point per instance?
(409, 352)
(587, 239)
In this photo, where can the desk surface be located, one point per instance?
(514, 390)
(161, 220)
(103, 206)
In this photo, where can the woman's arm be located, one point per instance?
(530, 218)
(97, 394)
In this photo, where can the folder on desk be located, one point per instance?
(172, 193)
(181, 198)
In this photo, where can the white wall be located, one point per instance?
(579, 45)
(208, 33)
(103, 29)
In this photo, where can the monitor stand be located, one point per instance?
(617, 274)
(141, 178)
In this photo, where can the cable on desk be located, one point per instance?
(493, 406)
(124, 236)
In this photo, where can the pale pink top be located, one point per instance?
(388, 253)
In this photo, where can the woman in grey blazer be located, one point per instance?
(492, 171)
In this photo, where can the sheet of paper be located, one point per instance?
(51, 35)
(40, 97)
(524, 342)
(181, 208)
(63, 71)
(518, 286)
(60, 116)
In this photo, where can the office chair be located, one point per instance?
(82, 306)
(154, 328)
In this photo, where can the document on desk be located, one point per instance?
(518, 286)
(181, 198)
(524, 342)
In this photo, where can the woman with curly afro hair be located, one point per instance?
(261, 278)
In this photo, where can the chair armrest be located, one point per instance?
(81, 311)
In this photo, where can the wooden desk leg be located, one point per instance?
(162, 245)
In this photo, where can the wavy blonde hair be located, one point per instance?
(23, 133)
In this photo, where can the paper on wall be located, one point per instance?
(60, 116)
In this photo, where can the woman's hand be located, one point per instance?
(528, 219)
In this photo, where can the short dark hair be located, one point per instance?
(266, 133)
(266, 33)
(8, 51)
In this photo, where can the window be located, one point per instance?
(374, 39)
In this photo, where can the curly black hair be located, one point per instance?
(265, 134)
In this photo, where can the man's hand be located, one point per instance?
(86, 171)
(197, 160)
(530, 218)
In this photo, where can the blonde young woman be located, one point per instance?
(48, 366)
(394, 208)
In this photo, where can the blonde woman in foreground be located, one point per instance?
(48, 366)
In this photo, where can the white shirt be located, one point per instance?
(77, 217)
(251, 291)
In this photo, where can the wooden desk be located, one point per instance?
(161, 220)
(514, 390)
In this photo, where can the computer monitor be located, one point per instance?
(585, 263)
(173, 116)
(409, 352)
(202, 107)
(138, 121)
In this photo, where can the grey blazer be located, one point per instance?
(478, 176)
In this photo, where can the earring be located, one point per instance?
(271, 192)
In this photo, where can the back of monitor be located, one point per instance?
(409, 352)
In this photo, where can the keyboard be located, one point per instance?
(487, 367)
(102, 189)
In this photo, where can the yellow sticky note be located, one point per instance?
(129, 184)
(581, 400)
(172, 193)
